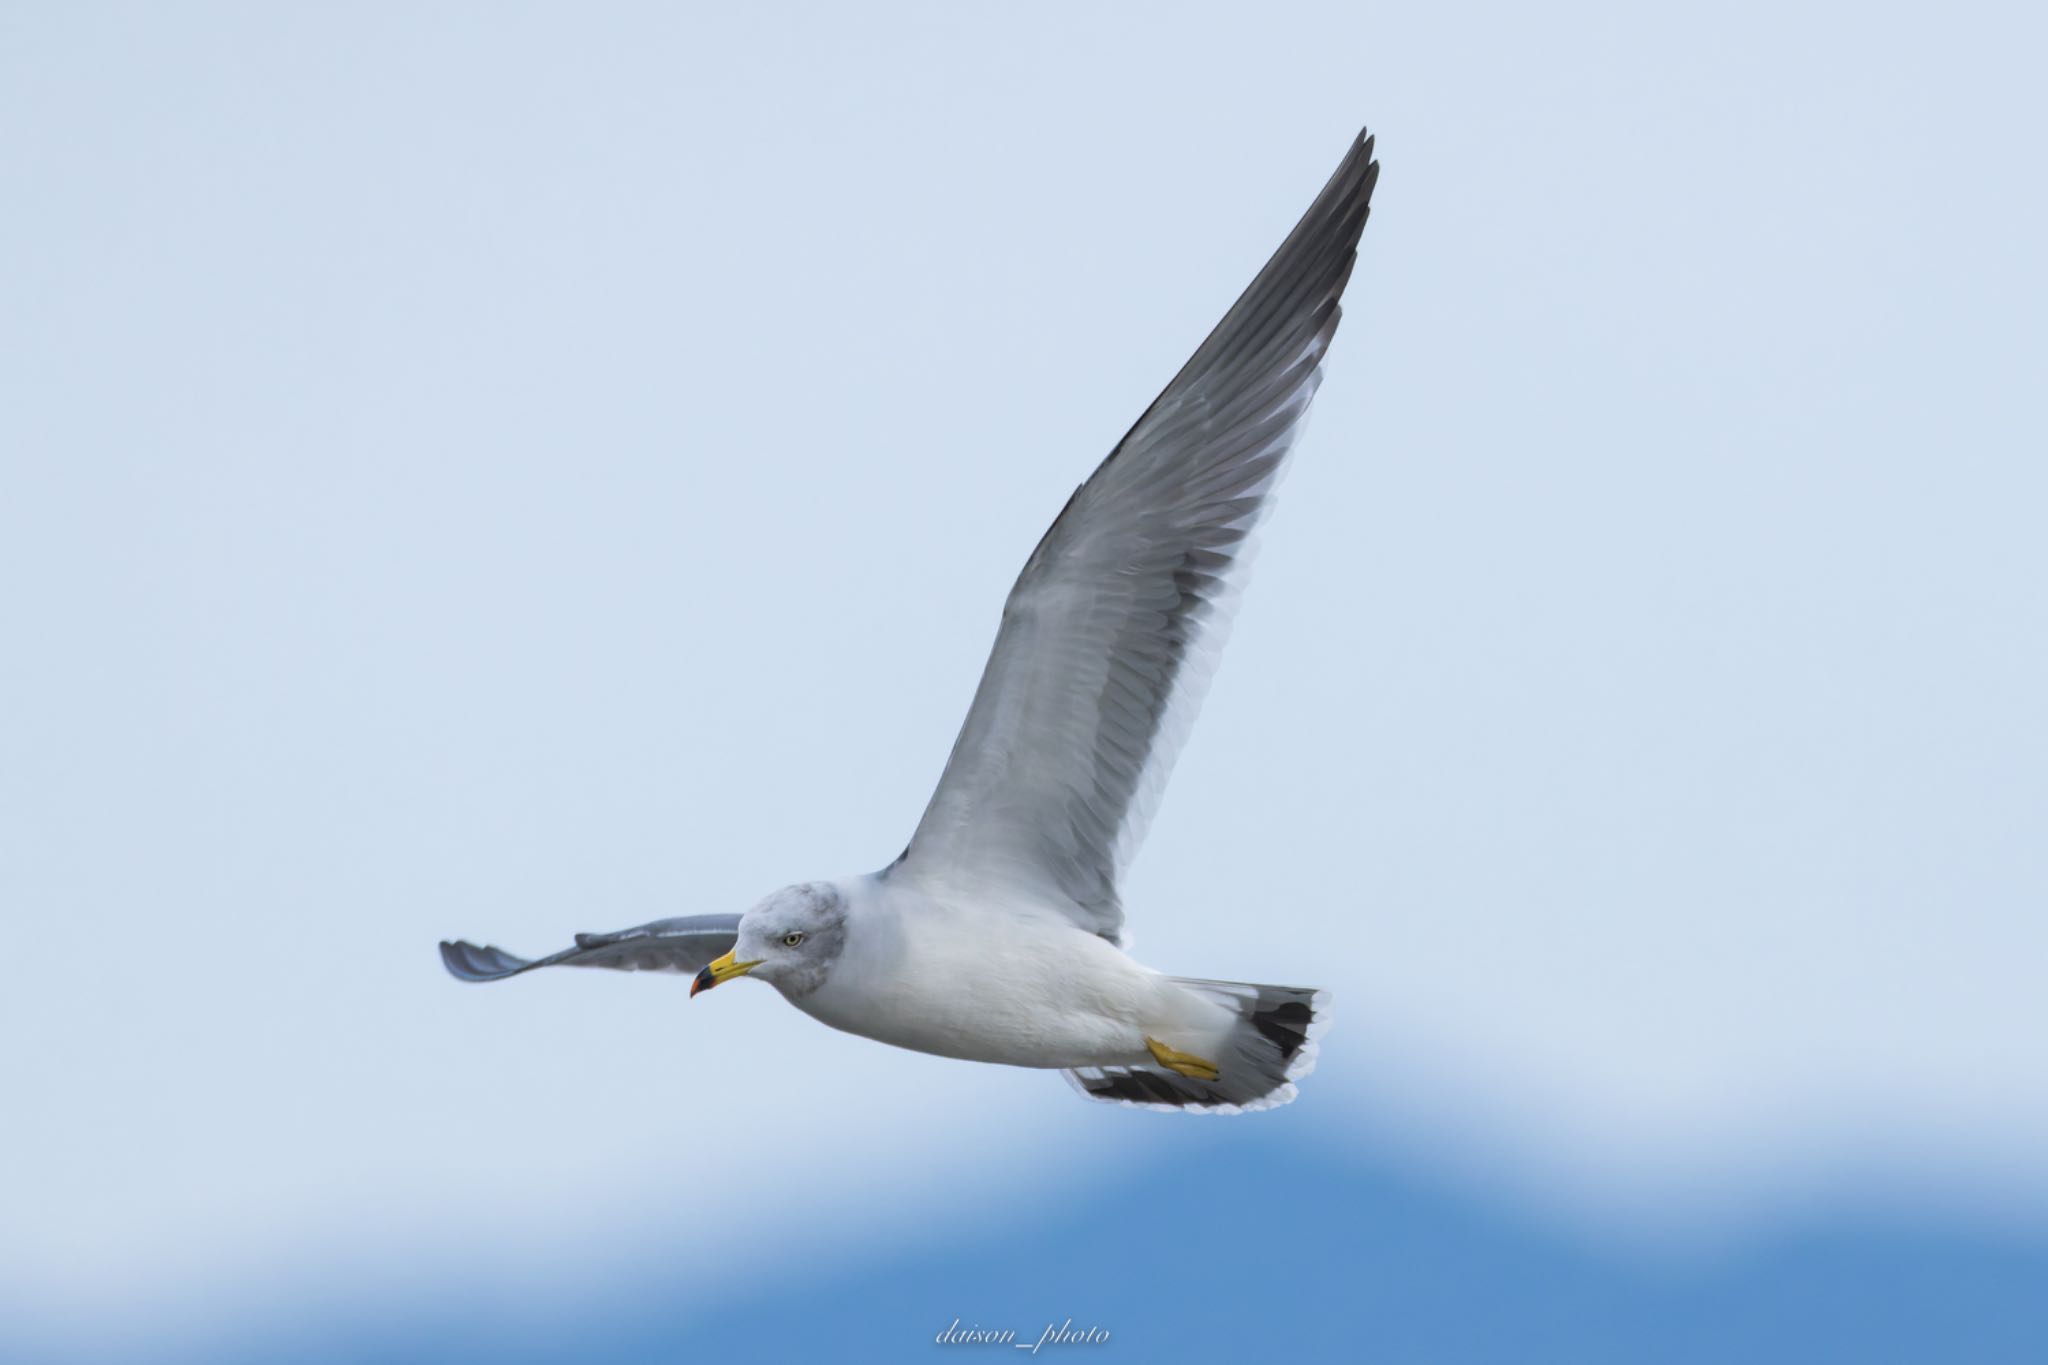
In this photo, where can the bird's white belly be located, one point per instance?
(1024, 992)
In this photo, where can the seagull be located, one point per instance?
(998, 934)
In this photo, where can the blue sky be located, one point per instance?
(517, 470)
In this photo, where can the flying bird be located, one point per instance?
(997, 935)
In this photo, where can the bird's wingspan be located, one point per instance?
(666, 945)
(1111, 632)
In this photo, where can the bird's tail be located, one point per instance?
(1272, 1046)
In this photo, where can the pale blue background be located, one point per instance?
(502, 470)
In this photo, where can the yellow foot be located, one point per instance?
(1186, 1063)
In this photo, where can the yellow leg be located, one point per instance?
(1186, 1063)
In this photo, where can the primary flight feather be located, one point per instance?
(996, 935)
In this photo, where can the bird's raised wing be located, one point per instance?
(1112, 630)
(667, 945)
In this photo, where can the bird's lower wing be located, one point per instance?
(681, 945)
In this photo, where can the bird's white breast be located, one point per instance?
(1028, 989)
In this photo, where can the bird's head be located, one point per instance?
(789, 940)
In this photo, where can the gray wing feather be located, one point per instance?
(683, 944)
(1112, 630)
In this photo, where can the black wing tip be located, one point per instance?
(465, 961)
(1357, 174)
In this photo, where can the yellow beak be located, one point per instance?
(725, 969)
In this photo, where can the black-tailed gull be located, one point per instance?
(996, 936)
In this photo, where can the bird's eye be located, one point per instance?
(791, 940)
